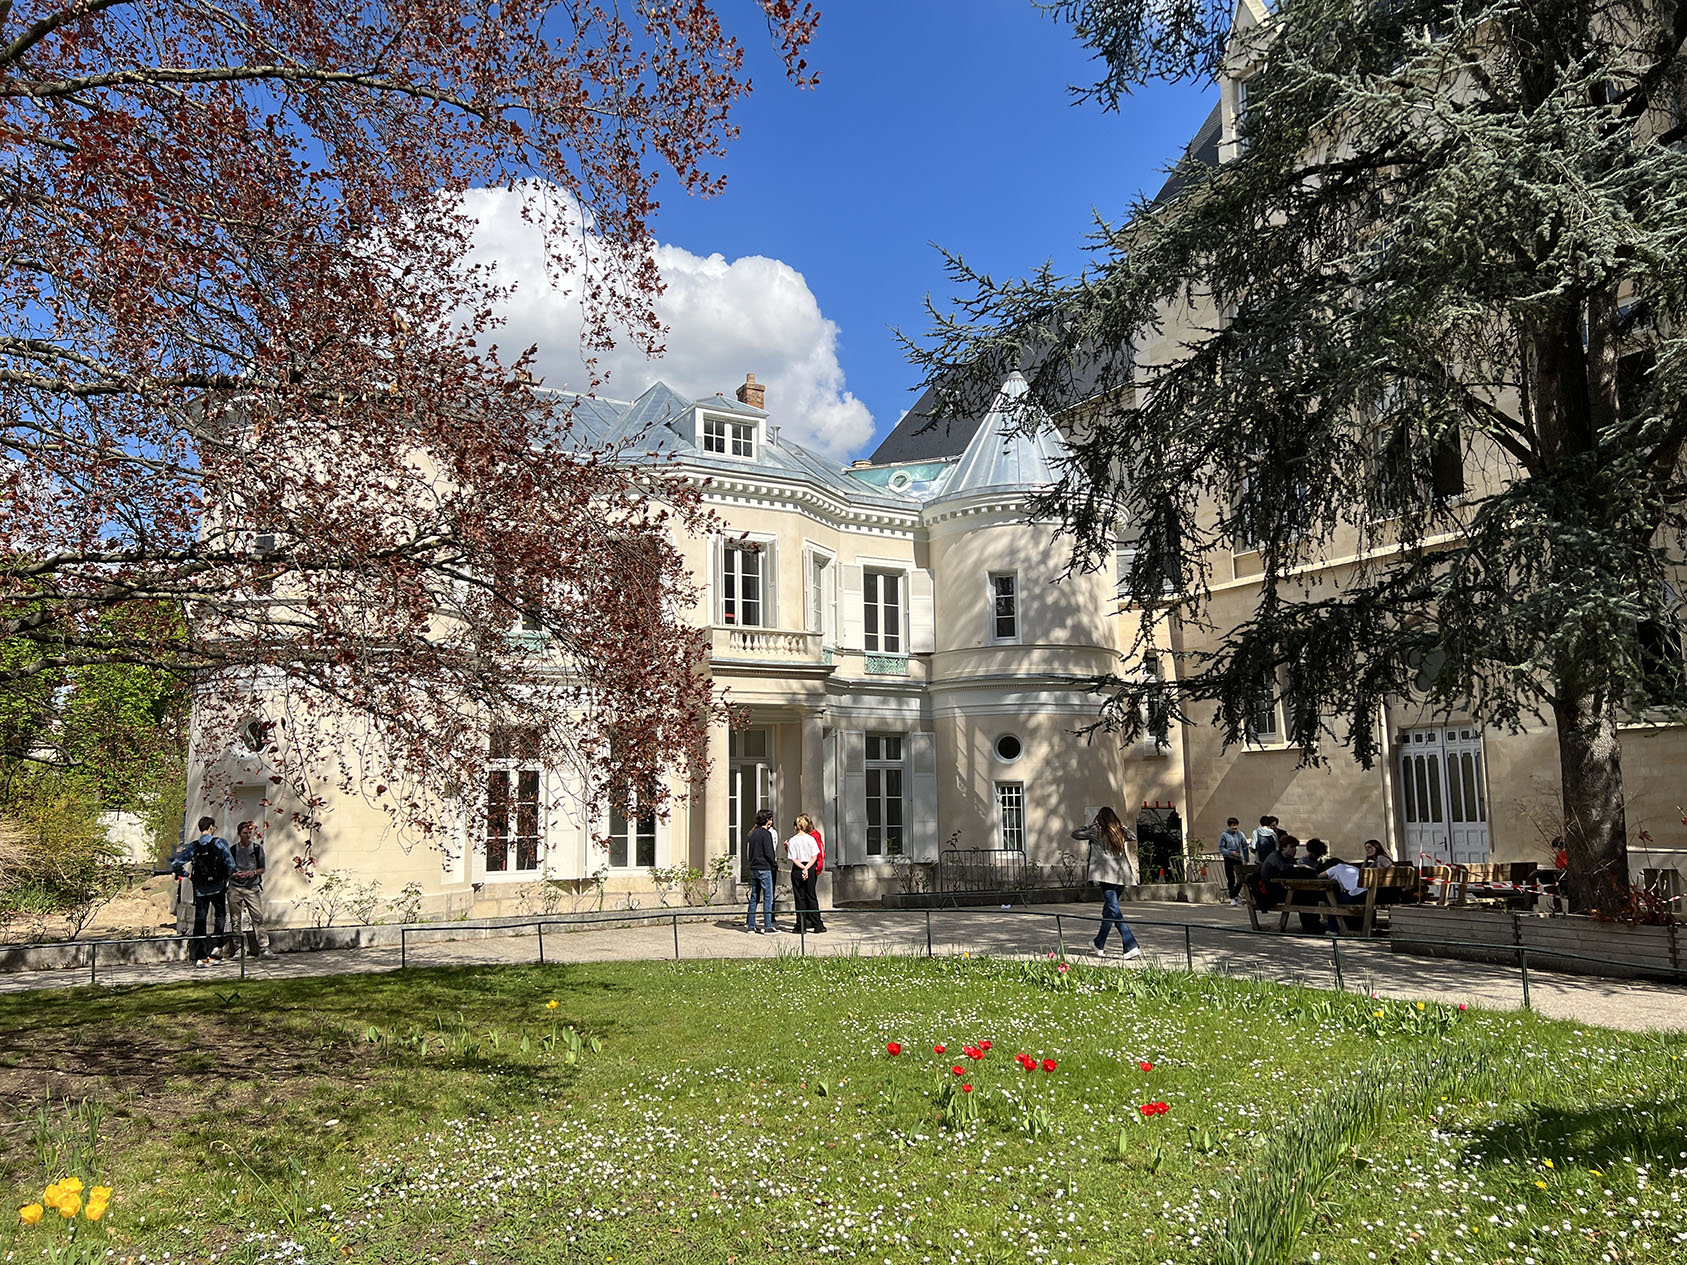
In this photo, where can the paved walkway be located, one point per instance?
(1218, 939)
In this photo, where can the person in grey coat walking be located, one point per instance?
(1110, 869)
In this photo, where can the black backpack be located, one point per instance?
(210, 864)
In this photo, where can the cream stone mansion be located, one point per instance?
(910, 652)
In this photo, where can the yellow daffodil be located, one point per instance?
(1377, 1013)
(69, 1206)
(1542, 1185)
(1420, 1005)
(1596, 1172)
(29, 1214)
(1546, 1163)
(552, 1004)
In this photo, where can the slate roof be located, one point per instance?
(1201, 152)
(658, 423)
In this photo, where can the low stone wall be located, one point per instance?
(1484, 935)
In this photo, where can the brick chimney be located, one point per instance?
(752, 392)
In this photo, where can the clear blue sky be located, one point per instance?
(944, 121)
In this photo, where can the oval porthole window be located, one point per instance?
(901, 481)
(1008, 748)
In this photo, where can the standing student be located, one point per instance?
(1110, 868)
(1233, 851)
(761, 852)
(246, 887)
(211, 863)
(803, 852)
(805, 823)
(1265, 839)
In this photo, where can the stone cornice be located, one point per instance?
(765, 489)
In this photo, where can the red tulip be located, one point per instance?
(894, 1048)
(984, 1045)
(966, 1089)
(1463, 1007)
(1147, 1109)
(958, 1070)
(1049, 1065)
(1146, 1066)
(937, 1049)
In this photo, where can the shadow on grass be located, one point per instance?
(142, 1039)
(1597, 1137)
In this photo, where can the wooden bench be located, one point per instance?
(1385, 885)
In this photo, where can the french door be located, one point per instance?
(1443, 796)
(752, 784)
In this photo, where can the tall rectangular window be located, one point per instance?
(741, 585)
(514, 829)
(881, 615)
(822, 579)
(632, 842)
(1004, 613)
(1262, 714)
(1010, 816)
(884, 795)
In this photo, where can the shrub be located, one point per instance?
(53, 848)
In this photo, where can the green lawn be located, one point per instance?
(713, 1111)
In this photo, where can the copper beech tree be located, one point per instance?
(257, 436)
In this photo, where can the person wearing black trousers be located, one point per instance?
(804, 852)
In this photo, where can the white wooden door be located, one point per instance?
(1444, 796)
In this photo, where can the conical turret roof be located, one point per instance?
(1001, 456)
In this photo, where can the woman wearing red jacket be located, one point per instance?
(809, 907)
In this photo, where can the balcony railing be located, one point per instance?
(766, 643)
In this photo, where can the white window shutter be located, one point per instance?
(922, 624)
(827, 809)
(770, 584)
(921, 811)
(852, 796)
(717, 562)
(852, 599)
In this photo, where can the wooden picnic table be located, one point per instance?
(1326, 887)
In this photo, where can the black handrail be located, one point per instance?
(597, 918)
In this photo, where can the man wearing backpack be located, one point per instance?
(211, 862)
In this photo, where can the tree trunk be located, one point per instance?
(1595, 827)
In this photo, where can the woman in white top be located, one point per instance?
(803, 852)
(1110, 869)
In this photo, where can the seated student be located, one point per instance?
(1281, 864)
(1376, 854)
(1349, 889)
(1318, 855)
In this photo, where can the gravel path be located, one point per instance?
(1217, 939)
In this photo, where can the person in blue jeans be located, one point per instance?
(1110, 869)
(211, 863)
(761, 853)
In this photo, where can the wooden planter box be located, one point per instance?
(1624, 952)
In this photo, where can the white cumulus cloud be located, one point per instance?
(724, 319)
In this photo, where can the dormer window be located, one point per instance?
(729, 438)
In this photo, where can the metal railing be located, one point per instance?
(922, 920)
(970, 870)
